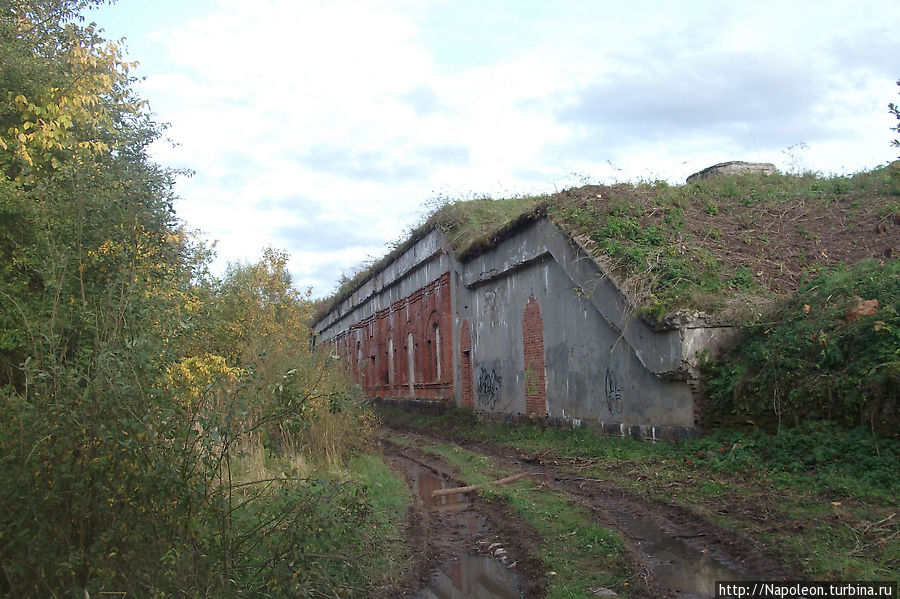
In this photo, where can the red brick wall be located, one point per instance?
(426, 315)
(465, 366)
(535, 374)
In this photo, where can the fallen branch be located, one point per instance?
(579, 479)
(866, 529)
(470, 488)
(878, 543)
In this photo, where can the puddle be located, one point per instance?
(679, 567)
(467, 576)
(472, 577)
(426, 482)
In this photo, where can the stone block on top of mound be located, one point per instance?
(734, 167)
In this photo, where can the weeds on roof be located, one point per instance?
(728, 246)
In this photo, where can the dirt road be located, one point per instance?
(466, 544)
(459, 542)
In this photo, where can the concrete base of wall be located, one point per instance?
(424, 406)
(638, 432)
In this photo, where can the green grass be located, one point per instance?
(810, 363)
(819, 457)
(470, 225)
(389, 498)
(336, 529)
(580, 555)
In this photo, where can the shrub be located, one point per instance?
(817, 360)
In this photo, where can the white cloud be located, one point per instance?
(367, 109)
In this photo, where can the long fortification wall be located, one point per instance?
(530, 328)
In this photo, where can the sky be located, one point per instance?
(330, 129)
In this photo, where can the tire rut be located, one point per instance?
(459, 542)
(679, 552)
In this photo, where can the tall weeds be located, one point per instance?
(135, 388)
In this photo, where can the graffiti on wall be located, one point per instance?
(613, 394)
(489, 386)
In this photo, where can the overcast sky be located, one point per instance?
(327, 128)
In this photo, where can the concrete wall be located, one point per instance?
(592, 371)
(421, 264)
(531, 328)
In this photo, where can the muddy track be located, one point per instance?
(680, 553)
(444, 532)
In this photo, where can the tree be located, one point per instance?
(895, 110)
(93, 277)
(67, 90)
(130, 379)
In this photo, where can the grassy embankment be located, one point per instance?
(343, 519)
(728, 246)
(821, 497)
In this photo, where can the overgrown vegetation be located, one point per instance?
(831, 353)
(822, 496)
(162, 432)
(818, 456)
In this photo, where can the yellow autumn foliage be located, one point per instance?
(202, 381)
(76, 118)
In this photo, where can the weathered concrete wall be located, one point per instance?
(421, 264)
(590, 370)
(532, 327)
(734, 167)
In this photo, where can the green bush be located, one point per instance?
(817, 361)
(130, 380)
(833, 459)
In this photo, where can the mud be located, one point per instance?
(462, 545)
(693, 542)
(677, 552)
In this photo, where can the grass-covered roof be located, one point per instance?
(728, 245)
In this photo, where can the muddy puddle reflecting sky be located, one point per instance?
(680, 566)
(472, 577)
(462, 576)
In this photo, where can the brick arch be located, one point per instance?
(431, 359)
(465, 366)
(533, 348)
(406, 365)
